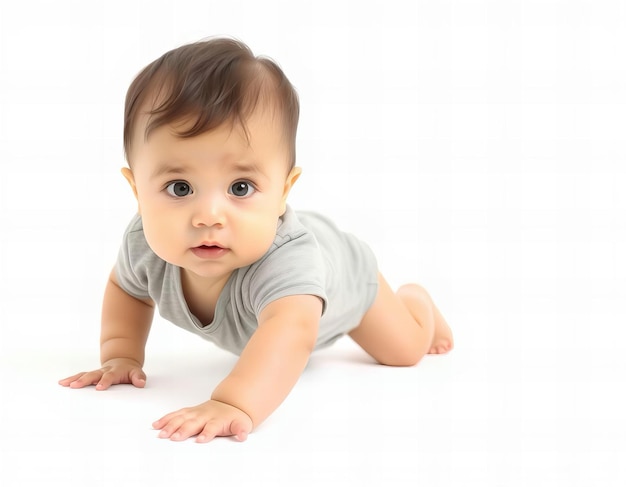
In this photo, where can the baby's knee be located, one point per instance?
(403, 358)
(413, 290)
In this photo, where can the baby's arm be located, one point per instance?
(126, 323)
(275, 357)
(267, 370)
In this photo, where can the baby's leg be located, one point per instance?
(400, 328)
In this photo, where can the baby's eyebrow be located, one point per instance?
(246, 168)
(238, 167)
(167, 168)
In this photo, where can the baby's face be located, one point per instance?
(211, 203)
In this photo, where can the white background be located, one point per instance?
(478, 146)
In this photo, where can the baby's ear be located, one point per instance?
(129, 176)
(292, 177)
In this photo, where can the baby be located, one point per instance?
(209, 136)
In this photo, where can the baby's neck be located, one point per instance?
(201, 294)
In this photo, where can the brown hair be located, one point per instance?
(213, 82)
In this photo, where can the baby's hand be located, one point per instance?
(207, 420)
(115, 371)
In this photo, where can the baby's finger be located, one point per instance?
(137, 378)
(210, 431)
(171, 427)
(68, 380)
(239, 430)
(187, 429)
(86, 379)
(107, 380)
(161, 423)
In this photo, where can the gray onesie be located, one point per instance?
(310, 255)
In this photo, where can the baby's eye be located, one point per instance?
(241, 189)
(179, 189)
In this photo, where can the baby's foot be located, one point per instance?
(442, 341)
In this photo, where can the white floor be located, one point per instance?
(532, 395)
(491, 170)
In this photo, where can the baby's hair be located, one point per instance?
(209, 83)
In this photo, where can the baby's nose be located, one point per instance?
(209, 211)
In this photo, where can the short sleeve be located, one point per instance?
(131, 268)
(293, 267)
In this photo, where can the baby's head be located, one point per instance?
(209, 135)
(206, 85)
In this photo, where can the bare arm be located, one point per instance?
(267, 370)
(274, 358)
(126, 323)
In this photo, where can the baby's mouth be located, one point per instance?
(209, 251)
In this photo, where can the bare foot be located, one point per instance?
(442, 341)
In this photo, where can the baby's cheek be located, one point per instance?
(160, 238)
(261, 241)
